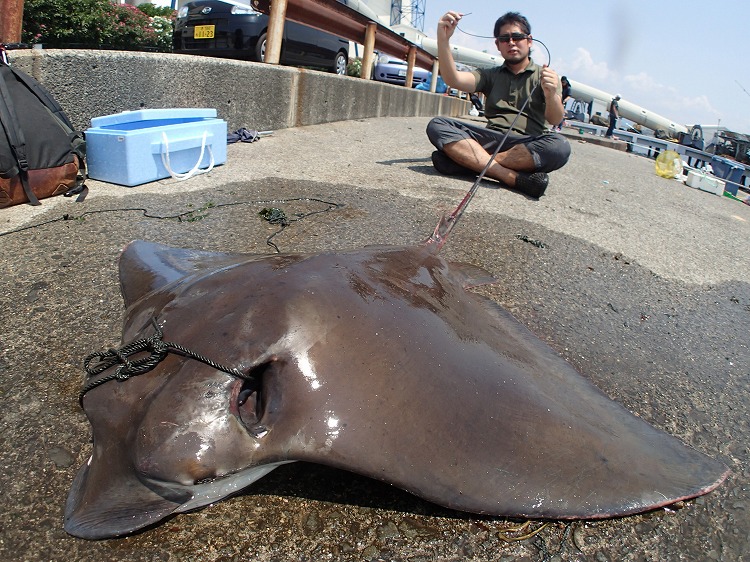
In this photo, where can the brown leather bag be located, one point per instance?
(43, 183)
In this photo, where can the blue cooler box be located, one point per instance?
(131, 148)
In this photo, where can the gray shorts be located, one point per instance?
(550, 151)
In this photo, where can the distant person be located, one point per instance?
(565, 97)
(614, 113)
(531, 150)
(565, 89)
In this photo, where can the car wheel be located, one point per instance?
(339, 65)
(260, 48)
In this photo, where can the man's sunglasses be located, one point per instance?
(505, 38)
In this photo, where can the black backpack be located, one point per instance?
(41, 154)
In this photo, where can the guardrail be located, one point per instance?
(341, 20)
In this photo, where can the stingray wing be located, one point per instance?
(438, 392)
(148, 266)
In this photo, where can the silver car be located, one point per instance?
(393, 70)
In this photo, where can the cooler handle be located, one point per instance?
(195, 170)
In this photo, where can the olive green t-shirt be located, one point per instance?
(506, 92)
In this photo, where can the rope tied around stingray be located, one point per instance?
(98, 362)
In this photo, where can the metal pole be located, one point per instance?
(11, 21)
(367, 59)
(410, 58)
(275, 31)
(435, 76)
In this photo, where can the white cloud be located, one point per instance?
(667, 99)
(585, 69)
(641, 88)
(645, 83)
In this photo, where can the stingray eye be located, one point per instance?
(251, 399)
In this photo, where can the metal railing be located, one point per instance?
(336, 18)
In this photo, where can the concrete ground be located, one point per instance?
(641, 282)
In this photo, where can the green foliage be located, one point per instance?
(151, 10)
(56, 22)
(96, 24)
(163, 27)
(354, 68)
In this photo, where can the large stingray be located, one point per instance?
(376, 361)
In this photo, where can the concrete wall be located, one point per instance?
(88, 83)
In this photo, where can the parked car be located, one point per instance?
(228, 29)
(392, 70)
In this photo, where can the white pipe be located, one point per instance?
(464, 55)
(627, 110)
(364, 9)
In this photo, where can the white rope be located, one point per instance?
(195, 170)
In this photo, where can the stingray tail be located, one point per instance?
(447, 222)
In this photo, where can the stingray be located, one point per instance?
(377, 361)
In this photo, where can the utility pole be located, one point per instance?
(11, 21)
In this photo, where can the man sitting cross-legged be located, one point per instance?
(532, 149)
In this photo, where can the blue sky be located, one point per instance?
(685, 60)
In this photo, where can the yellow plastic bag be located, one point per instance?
(669, 165)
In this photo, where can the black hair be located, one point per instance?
(512, 17)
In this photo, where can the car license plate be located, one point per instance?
(204, 31)
(402, 73)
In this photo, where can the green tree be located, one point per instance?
(152, 10)
(95, 24)
(60, 22)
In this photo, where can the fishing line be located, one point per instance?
(281, 220)
(534, 39)
(446, 224)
